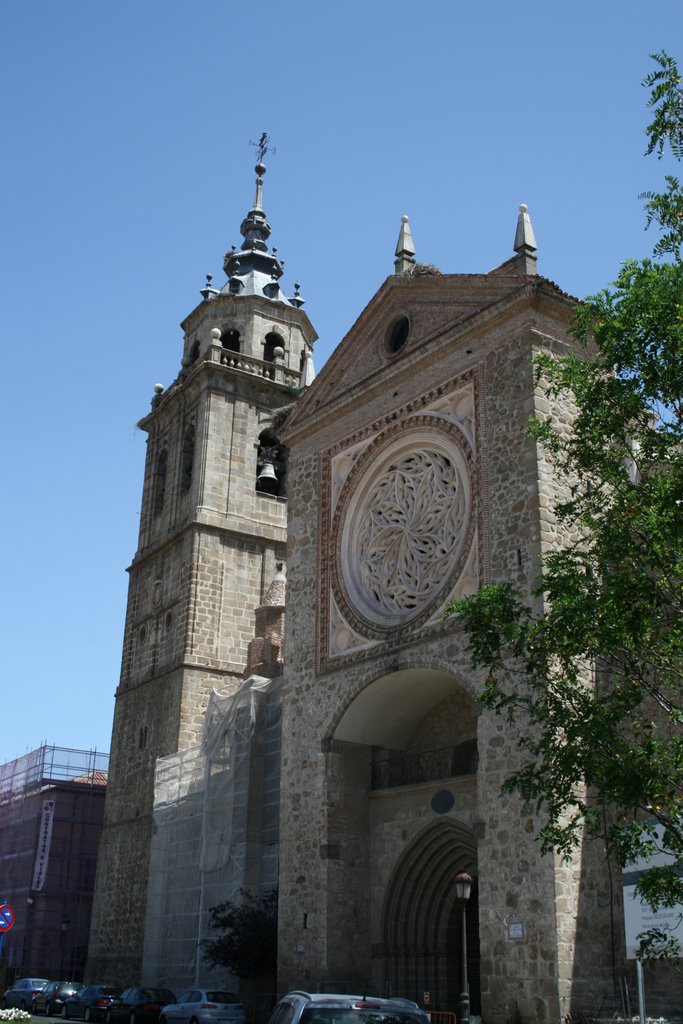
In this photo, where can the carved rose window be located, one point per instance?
(403, 526)
(413, 519)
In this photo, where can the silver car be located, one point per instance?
(204, 1006)
(22, 993)
(333, 1008)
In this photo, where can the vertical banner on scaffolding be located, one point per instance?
(44, 840)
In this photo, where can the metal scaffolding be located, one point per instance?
(51, 812)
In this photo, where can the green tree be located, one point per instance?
(595, 661)
(248, 943)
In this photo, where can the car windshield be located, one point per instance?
(349, 1015)
(222, 997)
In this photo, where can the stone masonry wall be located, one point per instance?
(204, 562)
(336, 856)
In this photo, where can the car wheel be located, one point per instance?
(131, 1019)
(48, 1009)
(23, 1005)
(33, 1007)
(65, 1012)
(86, 1015)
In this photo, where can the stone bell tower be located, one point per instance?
(212, 534)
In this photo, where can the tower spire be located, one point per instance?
(254, 269)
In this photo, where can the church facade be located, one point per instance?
(333, 745)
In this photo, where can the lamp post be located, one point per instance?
(65, 927)
(463, 888)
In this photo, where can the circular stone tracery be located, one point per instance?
(402, 525)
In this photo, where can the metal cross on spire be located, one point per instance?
(262, 146)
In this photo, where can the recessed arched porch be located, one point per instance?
(403, 764)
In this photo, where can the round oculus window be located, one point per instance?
(403, 525)
(398, 335)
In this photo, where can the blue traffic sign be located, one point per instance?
(6, 917)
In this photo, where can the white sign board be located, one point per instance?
(638, 916)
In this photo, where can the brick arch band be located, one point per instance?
(420, 945)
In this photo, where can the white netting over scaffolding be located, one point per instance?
(215, 830)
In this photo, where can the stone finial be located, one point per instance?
(275, 595)
(296, 299)
(525, 242)
(405, 249)
(524, 235)
(208, 291)
(307, 371)
(264, 654)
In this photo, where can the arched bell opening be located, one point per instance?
(273, 347)
(230, 339)
(271, 465)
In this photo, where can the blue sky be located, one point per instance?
(127, 171)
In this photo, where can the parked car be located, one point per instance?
(138, 1005)
(22, 993)
(204, 1006)
(324, 1008)
(50, 999)
(89, 1003)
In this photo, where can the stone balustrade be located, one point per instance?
(275, 371)
(400, 768)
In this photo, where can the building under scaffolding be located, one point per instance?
(51, 811)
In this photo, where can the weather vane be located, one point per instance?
(263, 147)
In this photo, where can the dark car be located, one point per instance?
(139, 1005)
(204, 1006)
(89, 1003)
(51, 999)
(22, 993)
(327, 1008)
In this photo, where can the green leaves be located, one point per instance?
(593, 664)
(666, 100)
(665, 130)
(248, 945)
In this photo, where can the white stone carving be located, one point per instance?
(412, 521)
(344, 639)
(459, 408)
(406, 526)
(342, 465)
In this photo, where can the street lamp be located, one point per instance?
(463, 888)
(66, 921)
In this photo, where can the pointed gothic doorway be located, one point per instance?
(421, 926)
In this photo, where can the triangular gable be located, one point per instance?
(433, 303)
